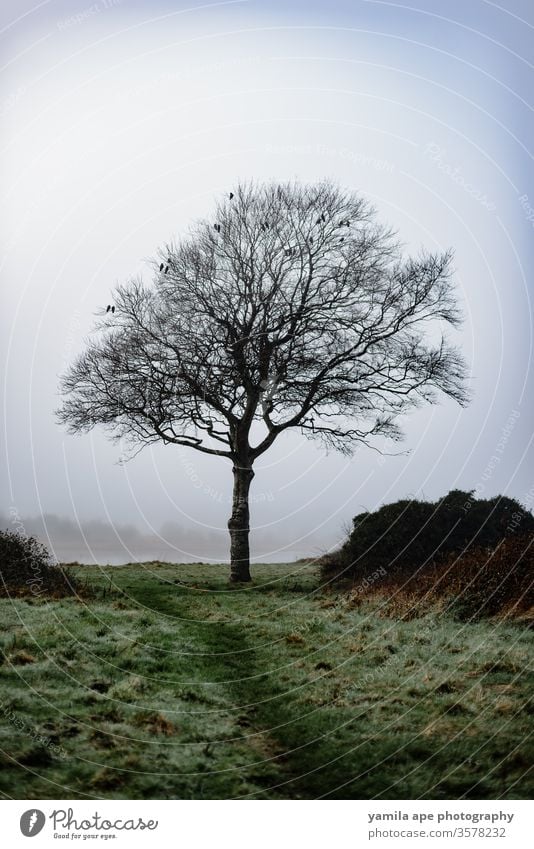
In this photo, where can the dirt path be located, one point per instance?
(267, 717)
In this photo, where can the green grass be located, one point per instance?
(169, 683)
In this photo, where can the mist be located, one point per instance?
(123, 122)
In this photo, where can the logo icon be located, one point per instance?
(31, 822)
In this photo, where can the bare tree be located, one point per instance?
(292, 307)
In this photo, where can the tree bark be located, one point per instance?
(238, 525)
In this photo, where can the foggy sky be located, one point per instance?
(122, 122)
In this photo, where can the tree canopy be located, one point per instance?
(292, 306)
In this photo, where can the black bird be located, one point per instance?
(217, 227)
(323, 217)
(108, 307)
(318, 221)
(342, 239)
(231, 195)
(166, 269)
(161, 266)
(112, 309)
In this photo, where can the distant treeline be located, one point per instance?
(97, 540)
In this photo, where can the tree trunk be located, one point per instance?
(238, 525)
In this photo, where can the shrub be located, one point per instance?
(410, 536)
(471, 584)
(485, 584)
(27, 568)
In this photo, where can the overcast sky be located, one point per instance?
(123, 121)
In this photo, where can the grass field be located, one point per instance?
(168, 683)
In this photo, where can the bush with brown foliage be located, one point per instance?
(474, 553)
(485, 583)
(411, 535)
(27, 569)
(471, 584)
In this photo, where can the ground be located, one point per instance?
(170, 683)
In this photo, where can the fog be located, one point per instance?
(122, 122)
